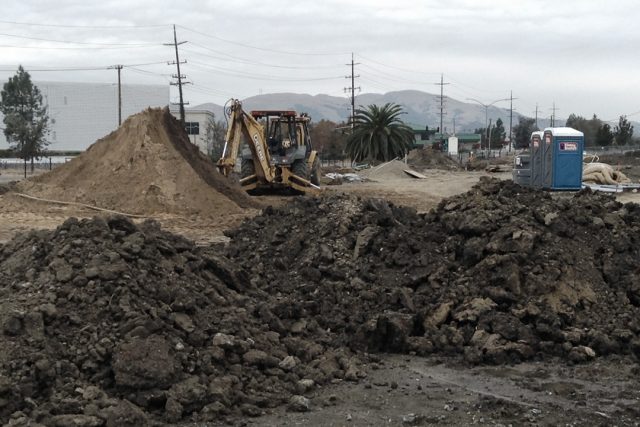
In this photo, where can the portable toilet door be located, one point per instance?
(567, 146)
(546, 157)
(536, 159)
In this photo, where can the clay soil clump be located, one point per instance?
(147, 166)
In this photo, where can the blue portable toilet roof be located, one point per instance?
(564, 131)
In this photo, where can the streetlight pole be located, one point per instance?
(486, 116)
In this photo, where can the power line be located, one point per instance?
(55, 69)
(393, 77)
(241, 60)
(38, 68)
(75, 42)
(284, 52)
(78, 47)
(396, 68)
(32, 24)
(235, 73)
(149, 73)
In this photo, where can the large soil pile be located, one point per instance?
(499, 274)
(146, 166)
(109, 323)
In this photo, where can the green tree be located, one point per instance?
(604, 136)
(379, 134)
(498, 134)
(522, 131)
(588, 127)
(327, 139)
(623, 131)
(483, 136)
(25, 117)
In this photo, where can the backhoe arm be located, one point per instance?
(242, 124)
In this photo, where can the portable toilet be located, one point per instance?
(562, 150)
(535, 147)
(522, 169)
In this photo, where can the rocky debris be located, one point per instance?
(108, 323)
(299, 404)
(499, 274)
(111, 323)
(146, 166)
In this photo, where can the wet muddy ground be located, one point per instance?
(409, 390)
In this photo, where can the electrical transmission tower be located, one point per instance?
(179, 77)
(352, 90)
(441, 100)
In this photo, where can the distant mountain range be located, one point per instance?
(421, 108)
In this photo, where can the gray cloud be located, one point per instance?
(576, 53)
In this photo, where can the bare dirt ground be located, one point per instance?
(421, 194)
(410, 390)
(18, 214)
(404, 391)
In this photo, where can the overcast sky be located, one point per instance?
(579, 54)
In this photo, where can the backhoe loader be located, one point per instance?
(279, 153)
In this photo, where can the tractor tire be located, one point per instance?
(247, 168)
(315, 172)
(299, 167)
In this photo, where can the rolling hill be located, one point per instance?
(421, 108)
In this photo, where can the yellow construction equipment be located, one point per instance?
(278, 154)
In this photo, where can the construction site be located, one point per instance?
(142, 287)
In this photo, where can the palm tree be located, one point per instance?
(379, 134)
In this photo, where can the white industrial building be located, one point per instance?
(196, 123)
(81, 113)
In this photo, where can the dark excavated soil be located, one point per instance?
(106, 323)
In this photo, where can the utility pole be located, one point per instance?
(178, 76)
(486, 112)
(553, 114)
(119, 68)
(352, 89)
(489, 139)
(511, 98)
(536, 112)
(442, 84)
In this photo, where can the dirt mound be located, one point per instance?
(499, 274)
(109, 323)
(421, 159)
(146, 166)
